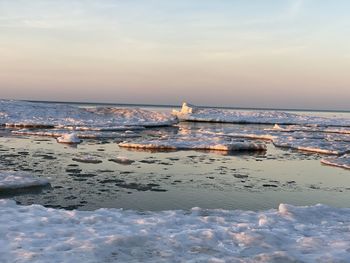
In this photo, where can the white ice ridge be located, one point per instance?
(47, 115)
(289, 234)
(192, 113)
(342, 161)
(10, 180)
(195, 143)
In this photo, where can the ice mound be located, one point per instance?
(191, 113)
(70, 138)
(23, 114)
(10, 180)
(195, 143)
(342, 161)
(289, 234)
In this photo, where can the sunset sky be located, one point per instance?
(244, 53)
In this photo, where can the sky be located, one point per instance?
(239, 53)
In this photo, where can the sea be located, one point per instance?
(173, 180)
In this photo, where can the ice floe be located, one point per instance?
(11, 180)
(297, 128)
(195, 143)
(84, 134)
(341, 161)
(192, 113)
(289, 234)
(320, 145)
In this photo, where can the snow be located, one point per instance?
(190, 142)
(10, 180)
(70, 138)
(342, 161)
(192, 113)
(289, 234)
(23, 114)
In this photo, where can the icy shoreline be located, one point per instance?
(289, 234)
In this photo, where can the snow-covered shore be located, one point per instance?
(288, 234)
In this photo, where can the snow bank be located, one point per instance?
(70, 138)
(342, 161)
(10, 180)
(191, 113)
(195, 143)
(289, 234)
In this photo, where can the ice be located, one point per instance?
(193, 142)
(10, 180)
(323, 145)
(23, 114)
(289, 234)
(70, 138)
(192, 113)
(87, 159)
(296, 128)
(122, 160)
(84, 134)
(342, 161)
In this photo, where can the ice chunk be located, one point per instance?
(71, 138)
(122, 160)
(10, 180)
(342, 161)
(191, 113)
(289, 234)
(195, 143)
(87, 159)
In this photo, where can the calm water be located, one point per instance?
(173, 180)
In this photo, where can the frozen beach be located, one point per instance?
(145, 184)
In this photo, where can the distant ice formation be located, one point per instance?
(190, 112)
(23, 114)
